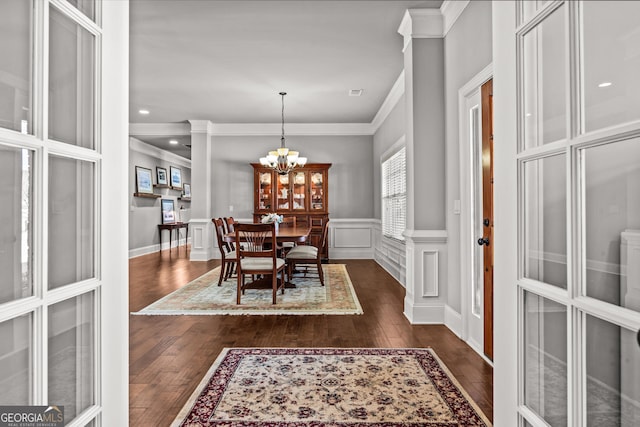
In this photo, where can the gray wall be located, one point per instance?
(350, 176)
(388, 133)
(467, 50)
(429, 136)
(144, 214)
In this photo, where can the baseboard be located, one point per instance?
(146, 250)
(453, 320)
(424, 314)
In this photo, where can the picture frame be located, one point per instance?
(144, 182)
(161, 176)
(175, 175)
(186, 190)
(168, 211)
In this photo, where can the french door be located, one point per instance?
(52, 250)
(575, 167)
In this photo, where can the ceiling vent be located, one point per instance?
(355, 92)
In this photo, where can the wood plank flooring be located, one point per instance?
(169, 355)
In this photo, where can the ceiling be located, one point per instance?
(226, 61)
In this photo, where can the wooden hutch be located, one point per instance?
(302, 193)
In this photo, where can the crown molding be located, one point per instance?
(201, 126)
(421, 24)
(270, 129)
(159, 129)
(144, 148)
(389, 103)
(451, 11)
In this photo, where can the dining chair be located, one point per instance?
(285, 247)
(229, 221)
(254, 257)
(227, 254)
(307, 254)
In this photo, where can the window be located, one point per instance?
(394, 195)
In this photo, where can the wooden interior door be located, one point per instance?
(487, 212)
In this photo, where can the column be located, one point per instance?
(426, 235)
(200, 225)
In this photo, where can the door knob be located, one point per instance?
(483, 241)
(486, 222)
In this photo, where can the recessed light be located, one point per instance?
(605, 84)
(173, 142)
(355, 92)
(145, 112)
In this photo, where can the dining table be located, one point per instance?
(293, 233)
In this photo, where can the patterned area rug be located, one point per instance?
(204, 296)
(329, 387)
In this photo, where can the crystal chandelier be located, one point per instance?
(283, 160)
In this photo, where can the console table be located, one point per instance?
(173, 226)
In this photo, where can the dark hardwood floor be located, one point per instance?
(169, 355)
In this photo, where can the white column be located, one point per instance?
(426, 235)
(200, 225)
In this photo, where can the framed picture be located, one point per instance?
(161, 176)
(144, 182)
(176, 177)
(168, 211)
(186, 190)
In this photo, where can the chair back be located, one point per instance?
(324, 238)
(219, 226)
(229, 223)
(258, 240)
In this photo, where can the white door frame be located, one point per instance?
(467, 233)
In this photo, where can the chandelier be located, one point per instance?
(283, 160)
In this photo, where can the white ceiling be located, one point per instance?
(226, 61)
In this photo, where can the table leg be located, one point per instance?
(160, 232)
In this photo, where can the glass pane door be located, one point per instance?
(299, 191)
(265, 191)
(283, 195)
(579, 216)
(317, 192)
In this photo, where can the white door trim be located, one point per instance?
(466, 198)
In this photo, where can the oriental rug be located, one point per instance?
(317, 387)
(203, 296)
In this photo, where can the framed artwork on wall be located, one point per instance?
(144, 182)
(186, 191)
(161, 176)
(176, 177)
(168, 211)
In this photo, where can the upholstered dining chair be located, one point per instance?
(287, 221)
(254, 257)
(307, 254)
(227, 254)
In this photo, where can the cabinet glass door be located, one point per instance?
(265, 190)
(283, 195)
(317, 192)
(299, 188)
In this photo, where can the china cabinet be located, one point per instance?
(302, 193)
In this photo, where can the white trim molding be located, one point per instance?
(451, 11)
(393, 97)
(201, 126)
(426, 259)
(352, 238)
(421, 24)
(159, 129)
(300, 129)
(201, 239)
(147, 149)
